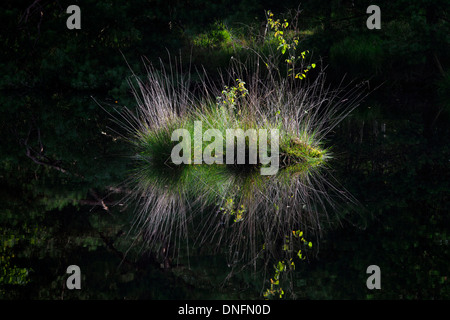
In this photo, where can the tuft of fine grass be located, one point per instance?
(244, 213)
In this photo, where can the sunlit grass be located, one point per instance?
(175, 199)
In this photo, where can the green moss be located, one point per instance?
(301, 155)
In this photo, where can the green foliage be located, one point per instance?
(230, 209)
(227, 101)
(218, 36)
(291, 244)
(11, 274)
(280, 28)
(288, 41)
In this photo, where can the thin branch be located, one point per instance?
(38, 160)
(39, 157)
(100, 201)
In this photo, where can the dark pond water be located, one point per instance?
(53, 216)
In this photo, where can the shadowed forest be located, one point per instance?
(63, 161)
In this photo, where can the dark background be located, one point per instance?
(59, 157)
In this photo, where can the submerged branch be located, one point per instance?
(39, 157)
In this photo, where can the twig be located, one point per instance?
(39, 157)
(100, 200)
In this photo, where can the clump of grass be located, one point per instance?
(246, 214)
(217, 36)
(232, 204)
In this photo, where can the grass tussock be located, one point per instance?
(233, 205)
